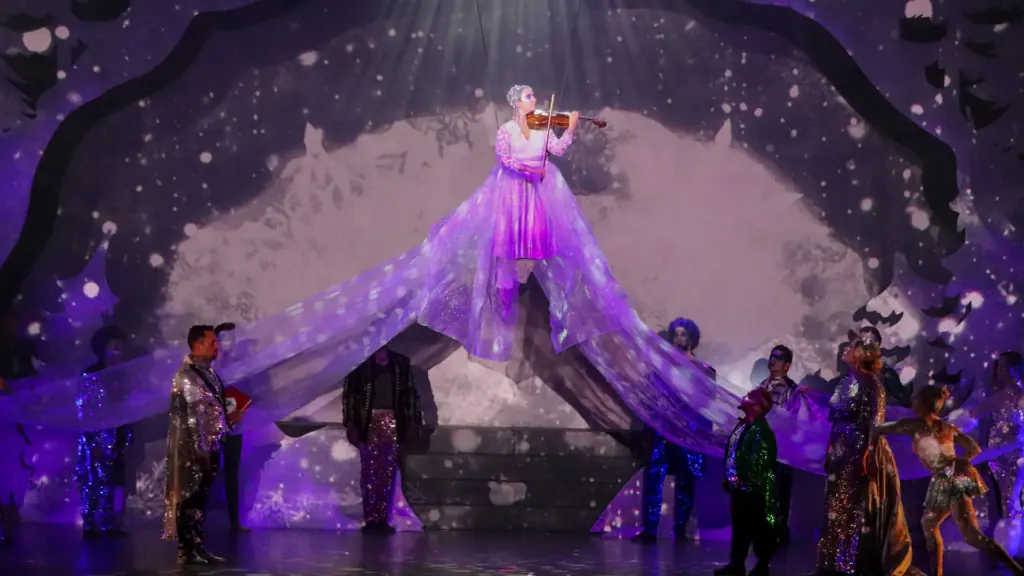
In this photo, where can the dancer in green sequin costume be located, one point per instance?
(955, 482)
(750, 460)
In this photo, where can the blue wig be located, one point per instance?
(688, 326)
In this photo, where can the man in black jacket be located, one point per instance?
(382, 409)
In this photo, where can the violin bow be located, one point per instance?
(547, 136)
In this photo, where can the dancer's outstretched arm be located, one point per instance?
(903, 427)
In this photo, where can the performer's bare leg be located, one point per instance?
(967, 522)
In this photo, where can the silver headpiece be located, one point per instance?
(515, 93)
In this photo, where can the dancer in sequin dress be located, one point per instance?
(955, 482)
(100, 466)
(1005, 402)
(865, 532)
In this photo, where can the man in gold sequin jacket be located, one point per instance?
(198, 424)
(750, 459)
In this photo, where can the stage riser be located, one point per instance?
(515, 479)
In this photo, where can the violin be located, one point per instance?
(538, 120)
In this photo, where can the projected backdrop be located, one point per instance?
(735, 184)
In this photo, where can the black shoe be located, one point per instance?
(731, 570)
(211, 558)
(680, 534)
(645, 538)
(91, 533)
(378, 529)
(116, 533)
(191, 559)
(761, 569)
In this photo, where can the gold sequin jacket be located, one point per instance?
(197, 427)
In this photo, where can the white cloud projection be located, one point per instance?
(332, 214)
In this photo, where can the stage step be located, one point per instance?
(544, 479)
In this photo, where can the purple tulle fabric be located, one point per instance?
(456, 284)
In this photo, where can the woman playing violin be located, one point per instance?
(522, 228)
(523, 220)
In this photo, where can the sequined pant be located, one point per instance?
(667, 458)
(97, 471)
(378, 458)
(846, 494)
(192, 511)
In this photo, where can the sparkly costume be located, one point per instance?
(750, 459)
(100, 466)
(667, 458)
(381, 403)
(782, 390)
(1007, 417)
(664, 458)
(865, 531)
(193, 452)
(955, 482)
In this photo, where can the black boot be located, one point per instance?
(731, 570)
(211, 558)
(761, 569)
(191, 558)
(645, 537)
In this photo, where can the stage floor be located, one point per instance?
(60, 550)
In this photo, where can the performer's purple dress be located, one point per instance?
(522, 229)
(516, 215)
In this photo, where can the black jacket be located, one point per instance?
(357, 397)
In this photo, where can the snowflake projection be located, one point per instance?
(147, 502)
(87, 302)
(52, 494)
(623, 517)
(313, 482)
